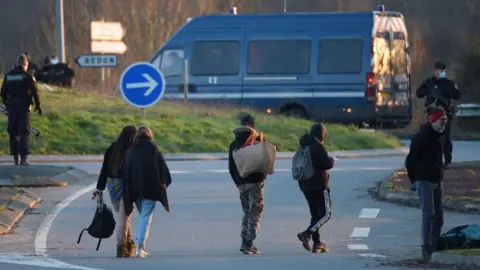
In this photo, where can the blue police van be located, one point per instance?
(344, 67)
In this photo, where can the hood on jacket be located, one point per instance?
(242, 132)
(307, 139)
(319, 131)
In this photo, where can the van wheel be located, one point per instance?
(296, 113)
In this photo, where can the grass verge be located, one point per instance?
(86, 123)
(461, 182)
(8, 195)
(465, 252)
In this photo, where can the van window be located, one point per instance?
(277, 57)
(172, 62)
(340, 56)
(399, 54)
(215, 58)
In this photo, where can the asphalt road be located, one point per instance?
(203, 229)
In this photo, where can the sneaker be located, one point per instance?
(426, 255)
(248, 249)
(320, 247)
(255, 250)
(24, 162)
(304, 237)
(141, 252)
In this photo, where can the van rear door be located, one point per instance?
(215, 64)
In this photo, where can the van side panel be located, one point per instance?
(278, 69)
(342, 58)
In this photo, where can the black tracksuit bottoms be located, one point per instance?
(320, 206)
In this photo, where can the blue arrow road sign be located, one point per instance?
(142, 84)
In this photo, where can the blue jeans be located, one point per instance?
(145, 210)
(431, 203)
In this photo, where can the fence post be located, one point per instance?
(185, 82)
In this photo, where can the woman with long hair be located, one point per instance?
(111, 177)
(146, 180)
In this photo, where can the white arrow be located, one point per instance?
(151, 84)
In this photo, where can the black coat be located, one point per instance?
(321, 163)
(424, 161)
(146, 175)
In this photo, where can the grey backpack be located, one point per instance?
(302, 168)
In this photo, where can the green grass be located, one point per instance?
(86, 123)
(465, 252)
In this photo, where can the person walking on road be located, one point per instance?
(147, 178)
(111, 176)
(19, 92)
(425, 169)
(251, 187)
(439, 91)
(317, 189)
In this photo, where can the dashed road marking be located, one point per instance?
(372, 255)
(360, 232)
(357, 247)
(369, 213)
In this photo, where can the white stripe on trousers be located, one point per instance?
(326, 217)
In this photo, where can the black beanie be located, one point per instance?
(248, 120)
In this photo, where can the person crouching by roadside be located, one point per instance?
(251, 188)
(424, 166)
(317, 189)
(146, 180)
(111, 176)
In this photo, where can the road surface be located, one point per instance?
(202, 231)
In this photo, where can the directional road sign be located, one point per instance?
(117, 47)
(97, 60)
(106, 31)
(142, 84)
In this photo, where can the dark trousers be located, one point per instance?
(431, 203)
(320, 206)
(18, 131)
(447, 142)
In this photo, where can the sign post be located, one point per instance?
(142, 85)
(106, 38)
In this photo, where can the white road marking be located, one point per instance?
(357, 247)
(369, 213)
(360, 232)
(42, 233)
(218, 171)
(179, 172)
(372, 255)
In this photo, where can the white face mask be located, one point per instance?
(442, 75)
(54, 61)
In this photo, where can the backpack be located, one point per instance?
(103, 223)
(465, 236)
(302, 167)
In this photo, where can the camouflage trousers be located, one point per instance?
(251, 198)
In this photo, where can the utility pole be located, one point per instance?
(60, 33)
(284, 6)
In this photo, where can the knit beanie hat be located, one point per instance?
(435, 113)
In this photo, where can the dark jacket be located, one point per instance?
(146, 175)
(424, 161)
(445, 87)
(19, 89)
(106, 172)
(321, 162)
(241, 135)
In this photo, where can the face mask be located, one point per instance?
(442, 75)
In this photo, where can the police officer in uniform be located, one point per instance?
(19, 91)
(439, 91)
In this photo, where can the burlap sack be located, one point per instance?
(255, 157)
